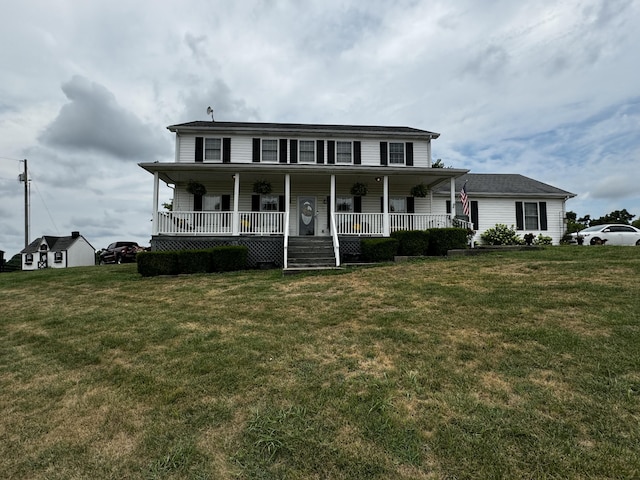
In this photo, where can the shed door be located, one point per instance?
(306, 215)
(42, 263)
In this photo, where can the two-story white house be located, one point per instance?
(269, 185)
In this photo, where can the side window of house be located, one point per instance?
(269, 150)
(28, 259)
(531, 215)
(344, 204)
(307, 151)
(344, 152)
(268, 203)
(396, 153)
(57, 258)
(212, 149)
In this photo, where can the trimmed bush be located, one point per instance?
(158, 263)
(442, 240)
(412, 242)
(379, 249)
(227, 259)
(218, 259)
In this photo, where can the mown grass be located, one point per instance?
(508, 365)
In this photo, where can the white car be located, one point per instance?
(609, 234)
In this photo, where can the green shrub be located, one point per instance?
(218, 259)
(412, 242)
(379, 249)
(229, 258)
(194, 261)
(542, 240)
(441, 240)
(501, 235)
(151, 264)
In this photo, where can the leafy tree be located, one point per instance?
(574, 225)
(168, 205)
(438, 164)
(636, 223)
(617, 216)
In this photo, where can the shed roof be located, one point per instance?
(56, 244)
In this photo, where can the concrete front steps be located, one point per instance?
(309, 254)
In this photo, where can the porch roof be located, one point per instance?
(172, 173)
(258, 128)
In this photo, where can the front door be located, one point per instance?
(42, 263)
(306, 215)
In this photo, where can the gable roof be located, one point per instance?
(299, 128)
(56, 244)
(503, 184)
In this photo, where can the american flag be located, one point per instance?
(465, 200)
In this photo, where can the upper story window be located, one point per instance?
(307, 151)
(344, 152)
(212, 149)
(396, 153)
(269, 150)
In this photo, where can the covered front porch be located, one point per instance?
(301, 202)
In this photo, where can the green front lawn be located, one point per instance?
(505, 365)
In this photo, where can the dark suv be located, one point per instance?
(120, 252)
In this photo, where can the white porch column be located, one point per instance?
(386, 229)
(452, 183)
(235, 230)
(332, 199)
(154, 217)
(287, 202)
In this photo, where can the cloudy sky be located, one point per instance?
(546, 89)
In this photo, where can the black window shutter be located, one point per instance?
(197, 203)
(283, 150)
(519, 216)
(199, 155)
(383, 153)
(381, 204)
(331, 151)
(255, 203)
(357, 153)
(328, 211)
(226, 150)
(357, 204)
(409, 154)
(543, 215)
(226, 203)
(474, 213)
(256, 150)
(281, 204)
(448, 207)
(319, 151)
(293, 148)
(411, 205)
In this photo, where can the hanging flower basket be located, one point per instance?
(262, 187)
(196, 188)
(359, 189)
(420, 190)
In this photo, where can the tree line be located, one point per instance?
(575, 224)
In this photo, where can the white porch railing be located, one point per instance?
(220, 223)
(372, 223)
(273, 223)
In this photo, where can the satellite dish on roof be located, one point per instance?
(210, 112)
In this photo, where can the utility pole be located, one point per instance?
(23, 177)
